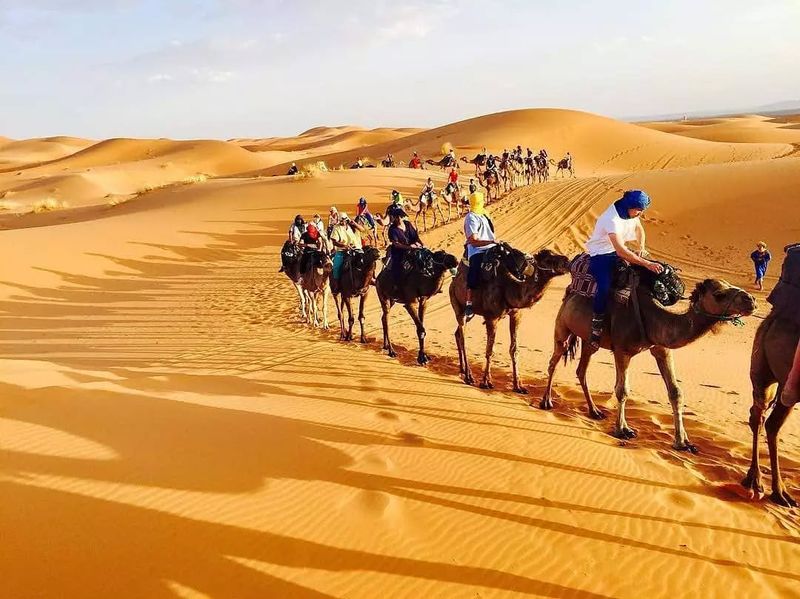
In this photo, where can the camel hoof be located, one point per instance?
(546, 404)
(688, 447)
(423, 359)
(520, 390)
(597, 414)
(364, 340)
(625, 433)
(752, 481)
(392, 353)
(487, 385)
(782, 497)
(468, 380)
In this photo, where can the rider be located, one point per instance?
(452, 178)
(618, 225)
(403, 237)
(415, 161)
(491, 163)
(427, 191)
(785, 300)
(473, 187)
(479, 231)
(345, 237)
(292, 169)
(568, 159)
(451, 157)
(363, 210)
(296, 229)
(311, 241)
(317, 221)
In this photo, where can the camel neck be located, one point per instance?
(672, 330)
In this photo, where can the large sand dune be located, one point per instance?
(170, 428)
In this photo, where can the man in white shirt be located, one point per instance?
(479, 231)
(618, 225)
(297, 228)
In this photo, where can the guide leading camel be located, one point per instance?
(617, 226)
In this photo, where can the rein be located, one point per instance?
(734, 320)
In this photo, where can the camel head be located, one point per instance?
(325, 264)
(718, 298)
(547, 260)
(444, 260)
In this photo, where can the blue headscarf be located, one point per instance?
(633, 198)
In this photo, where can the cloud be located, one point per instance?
(160, 78)
(212, 75)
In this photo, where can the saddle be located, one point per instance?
(497, 255)
(420, 260)
(290, 254)
(667, 288)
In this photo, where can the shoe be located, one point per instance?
(597, 331)
(469, 313)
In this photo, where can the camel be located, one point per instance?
(773, 351)
(542, 168)
(519, 283)
(479, 161)
(658, 330)
(354, 281)
(564, 165)
(530, 170)
(413, 293)
(445, 163)
(290, 264)
(316, 283)
(427, 201)
(491, 181)
(453, 196)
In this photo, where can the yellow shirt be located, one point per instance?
(344, 234)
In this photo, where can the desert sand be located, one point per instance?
(170, 428)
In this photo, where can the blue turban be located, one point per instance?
(633, 198)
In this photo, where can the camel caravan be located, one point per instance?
(618, 298)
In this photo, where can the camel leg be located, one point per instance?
(386, 305)
(338, 300)
(513, 326)
(666, 367)
(301, 296)
(361, 303)
(422, 358)
(325, 293)
(463, 362)
(752, 480)
(350, 320)
(412, 309)
(491, 333)
(773, 426)
(583, 367)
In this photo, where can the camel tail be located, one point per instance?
(573, 344)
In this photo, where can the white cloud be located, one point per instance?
(212, 75)
(160, 78)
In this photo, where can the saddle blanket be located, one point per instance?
(583, 282)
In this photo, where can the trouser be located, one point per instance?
(396, 265)
(791, 390)
(760, 272)
(338, 262)
(474, 271)
(602, 269)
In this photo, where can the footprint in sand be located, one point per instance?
(386, 415)
(411, 438)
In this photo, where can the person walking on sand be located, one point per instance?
(760, 258)
(617, 226)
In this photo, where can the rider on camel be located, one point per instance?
(479, 232)
(403, 237)
(415, 162)
(617, 226)
(311, 242)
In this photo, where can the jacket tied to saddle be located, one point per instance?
(785, 298)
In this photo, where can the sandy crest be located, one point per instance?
(170, 428)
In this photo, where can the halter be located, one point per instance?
(735, 320)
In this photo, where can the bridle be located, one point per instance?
(736, 320)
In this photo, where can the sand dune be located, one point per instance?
(169, 427)
(23, 153)
(600, 145)
(744, 129)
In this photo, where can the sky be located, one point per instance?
(249, 68)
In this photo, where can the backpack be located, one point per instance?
(667, 287)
